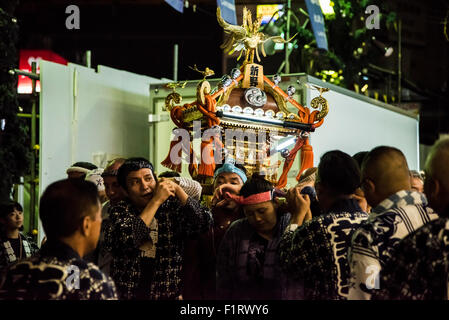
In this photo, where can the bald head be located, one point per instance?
(436, 185)
(384, 172)
(114, 165)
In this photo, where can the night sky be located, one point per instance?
(139, 36)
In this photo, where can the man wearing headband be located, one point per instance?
(416, 181)
(198, 270)
(95, 176)
(114, 191)
(200, 252)
(115, 194)
(79, 170)
(228, 179)
(248, 266)
(229, 173)
(147, 232)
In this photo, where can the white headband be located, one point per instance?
(95, 177)
(77, 169)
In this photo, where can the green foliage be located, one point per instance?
(304, 35)
(345, 9)
(364, 3)
(359, 33)
(349, 40)
(14, 153)
(390, 19)
(331, 76)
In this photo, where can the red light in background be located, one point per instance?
(26, 59)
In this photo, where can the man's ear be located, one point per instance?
(370, 186)
(435, 189)
(319, 187)
(86, 226)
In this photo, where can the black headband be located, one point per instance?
(132, 165)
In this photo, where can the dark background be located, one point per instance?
(138, 36)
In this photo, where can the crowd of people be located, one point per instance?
(361, 227)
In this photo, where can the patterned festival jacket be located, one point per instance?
(7, 256)
(419, 269)
(373, 244)
(316, 252)
(127, 232)
(56, 272)
(235, 281)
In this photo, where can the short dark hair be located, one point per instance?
(359, 156)
(169, 174)
(377, 153)
(6, 208)
(339, 172)
(130, 165)
(9, 206)
(64, 204)
(254, 185)
(85, 165)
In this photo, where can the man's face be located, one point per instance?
(140, 187)
(14, 220)
(102, 195)
(359, 195)
(417, 184)
(261, 216)
(228, 178)
(95, 229)
(114, 191)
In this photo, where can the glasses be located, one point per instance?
(416, 174)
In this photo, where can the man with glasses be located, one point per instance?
(397, 211)
(416, 181)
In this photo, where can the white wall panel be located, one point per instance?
(357, 123)
(90, 116)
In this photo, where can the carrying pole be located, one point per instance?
(287, 36)
(399, 60)
(175, 63)
(33, 151)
